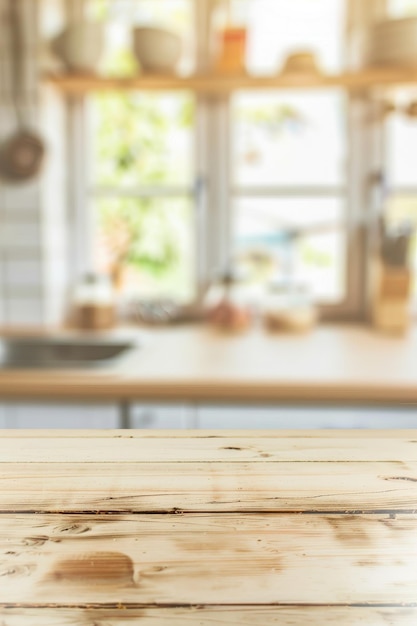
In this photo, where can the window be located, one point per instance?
(284, 195)
(270, 207)
(141, 194)
(288, 206)
(141, 172)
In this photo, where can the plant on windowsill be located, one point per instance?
(136, 235)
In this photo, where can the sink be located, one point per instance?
(50, 352)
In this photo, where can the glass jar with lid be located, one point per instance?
(288, 307)
(94, 306)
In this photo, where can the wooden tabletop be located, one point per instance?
(202, 528)
(333, 364)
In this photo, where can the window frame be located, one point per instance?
(213, 186)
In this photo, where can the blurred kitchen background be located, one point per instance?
(222, 160)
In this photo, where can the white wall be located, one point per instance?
(20, 206)
(32, 215)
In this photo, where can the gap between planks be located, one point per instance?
(207, 434)
(227, 605)
(178, 512)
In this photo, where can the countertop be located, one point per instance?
(290, 528)
(335, 363)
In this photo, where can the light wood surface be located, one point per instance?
(218, 84)
(208, 528)
(202, 447)
(208, 472)
(205, 559)
(333, 364)
(195, 487)
(213, 616)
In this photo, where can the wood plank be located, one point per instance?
(216, 83)
(233, 487)
(100, 387)
(210, 616)
(206, 559)
(163, 449)
(258, 368)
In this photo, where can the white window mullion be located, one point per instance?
(359, 174)
(81, 218)
(403, 190)
(80, 215)
(221, 157)
(202, 189)
(212, 184)
(213, 162)
(202, 198)
(281, 191)
(165, 191)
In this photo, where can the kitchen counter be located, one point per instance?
(205, 527)
(333, 364)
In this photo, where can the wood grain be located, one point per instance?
(195, 487)
(212, 616)
(216, 83)
(208, 528)
(208, 449)
(208, 559)
(334, 364)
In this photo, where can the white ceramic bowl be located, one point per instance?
(80, 46)
(157, 50)
(393, 42)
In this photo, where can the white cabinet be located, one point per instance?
(3, 414)
(66, 416)
(170, 417)
(261, 418)
(90, 416)
(159, 417)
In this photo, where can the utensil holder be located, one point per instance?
(391, 297)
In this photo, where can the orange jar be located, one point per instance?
(232, 56)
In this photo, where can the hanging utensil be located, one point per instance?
(22, 155)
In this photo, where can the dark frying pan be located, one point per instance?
(22, 154)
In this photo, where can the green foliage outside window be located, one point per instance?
(142, 140)
(135, 139)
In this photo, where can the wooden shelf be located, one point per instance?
(220, 84)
